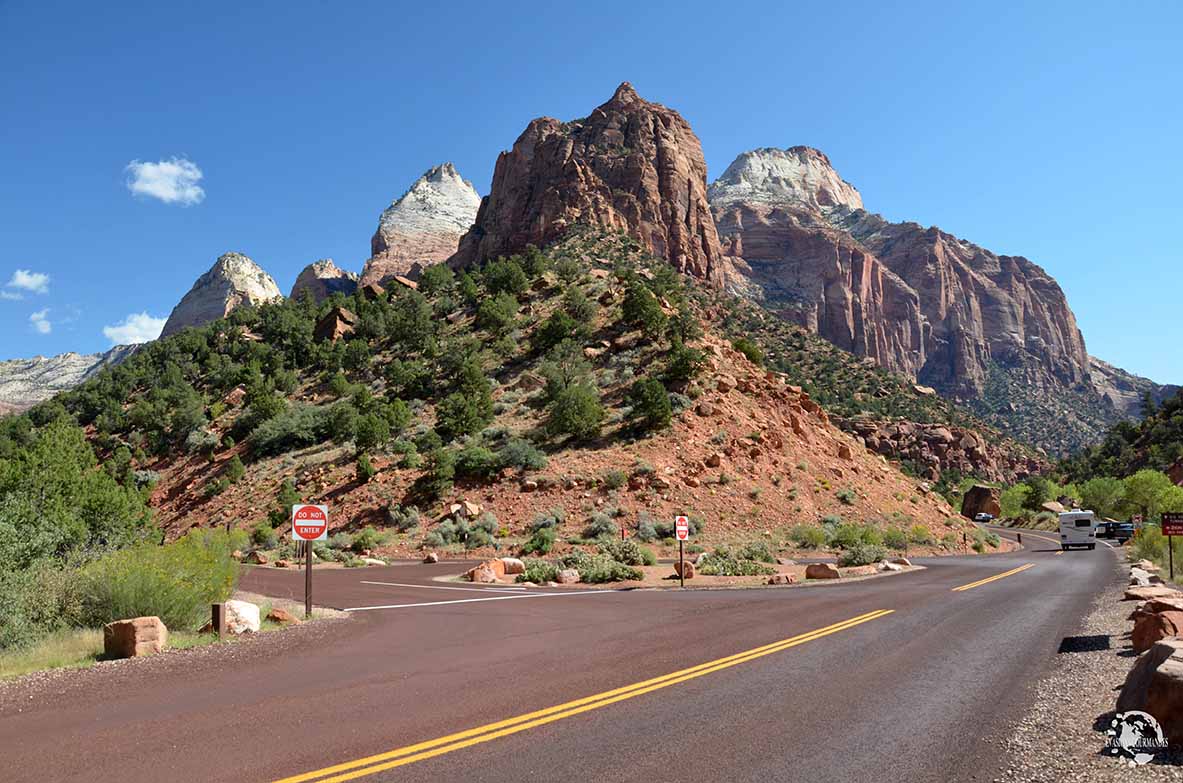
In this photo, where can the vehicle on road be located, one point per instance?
(982, 516)
(1118, 531)
(1078, 528)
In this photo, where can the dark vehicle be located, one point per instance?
(1120, 531)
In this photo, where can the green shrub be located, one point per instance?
(505, 275)
(402, 519)
(750, 350)
(862, 554)
(808, 536)
(367, 538)
(263, 536)
(628, 552)
(522, 454)
(599, 568)
(541, 542)
(919, 534)
(558, 327)
(176, 582)
(576, 411)
(477, 462)
(599, 525)
(641, 310)
(37, 602)
(614, 479)
(895, 538)
(538, 571)
(723, 563)
(235, 470)
(756, 550)
(650, 405)
(846, 496)
(497, 314)
(365, 469)
(340, 541)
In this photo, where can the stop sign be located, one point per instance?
(310, 523)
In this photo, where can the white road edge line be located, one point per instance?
(441, 587)
(478, 600)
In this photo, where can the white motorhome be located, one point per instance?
(1078, 528)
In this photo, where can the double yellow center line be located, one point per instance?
(410, 754)
(994, 578)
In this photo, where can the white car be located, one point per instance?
(982, 516)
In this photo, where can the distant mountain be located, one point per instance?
(423, 226)
(26, 382)
(323, 278)
(232, 282)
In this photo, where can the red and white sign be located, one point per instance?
(1172, 524)
(682, 528)
(310, 523)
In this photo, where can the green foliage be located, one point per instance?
(640, 309)
(576, 411)
(439, 473)
(541, 542)
(497, 314)
(521, 454)
(436, 279)
(807, 536)
(599, 568)
(37, 601)
(919, 534)
(538, 571)
(614, 479)
(263, 536)
(235, 470)
(403, 519)
(750, 350)
(534, 261)
(505, 275)
(367, 539)
(371, 431)
(847, 496)
(756, 550)
(285, 499)
(682, 363)
(365, 469)
(895, 538)
(650, 405)
(477, 462)
(599, 526)
(295, 428)
(722, 562)
(862, 554)
(469, 409)
(1104, 495)
(471, 534)
(628, 552)
(576, 304)
(1013, 500)
(558, 327)
(176, 582)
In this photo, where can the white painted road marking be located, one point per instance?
(479, 600)
(441, 587)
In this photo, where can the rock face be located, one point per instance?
(1155, 685)
(631, 165)
(322, 279)
(26, 382)
(1125, 390)
(992, 330)
(234, 281)
(980, 499)
(423, 226)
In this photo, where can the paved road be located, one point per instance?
(903, 675)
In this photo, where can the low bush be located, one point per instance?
(721, 562)
(402, 519)
(541, 542)
(522, 454)
(477, 462)
(367, 538)
(919, 534)
(846, 496)
(538, 571)
(176, 582)
(895, 538)
(808, 536)
(628, 552)
(614, 479)
(862, 554)
(756, 550)
(598, 568)
(599, 525)
(294, 428)
(263, 536)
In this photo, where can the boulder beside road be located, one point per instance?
(1155, 685)
(822, 571)
(242, 617)
(134, 637)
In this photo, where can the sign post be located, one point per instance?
(681, 532)
(309, 523)
(1172, 525)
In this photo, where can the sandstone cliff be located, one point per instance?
(1125, 390)
(322, 279)
(631, 165)
(423, 226)
(234, 281)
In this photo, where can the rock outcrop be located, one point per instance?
(322, 279)
(631, 165)
(234, 281)
(981, 499)
(423, 226)
(1125, 390)
(26, 382)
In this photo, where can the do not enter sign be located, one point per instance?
(310, 523)
(682, 528)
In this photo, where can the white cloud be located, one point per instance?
(26, 280)
(40, 321)
(11, 295)
(172, 181)
(136, 328)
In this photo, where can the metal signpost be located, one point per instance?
(1172, 525)
(309, 523)
(681, 532)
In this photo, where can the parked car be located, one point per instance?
(983, 517)
(1119, 531)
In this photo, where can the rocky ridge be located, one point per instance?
(234, 281)
(423, 226)
(26, 382)
(631, 165)
(322, 279)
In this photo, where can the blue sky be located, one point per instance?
(1052, 133)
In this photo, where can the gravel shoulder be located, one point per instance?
(1061, 737)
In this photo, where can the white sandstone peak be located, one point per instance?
(232, 282)
(797, 175)
(439, 201)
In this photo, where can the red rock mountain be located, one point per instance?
(917, 300)
(631, 165)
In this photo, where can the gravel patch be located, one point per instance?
(1062, 736)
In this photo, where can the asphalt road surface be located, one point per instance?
(905, 675)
